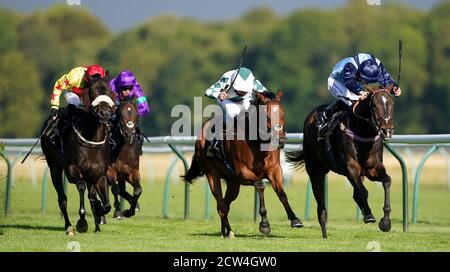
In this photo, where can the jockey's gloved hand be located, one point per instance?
(54, 113)
(222, 96)
(113, 117)
(363, 95)
(397, 91)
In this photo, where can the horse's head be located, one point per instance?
(381, 107)
(274, 112)
(101, 98)
(128, 119)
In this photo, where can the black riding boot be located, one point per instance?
(327, 113)
(140, 139)
(67, 113)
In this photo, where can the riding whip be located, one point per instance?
(240, 65)
(37, 141)
(400, 45)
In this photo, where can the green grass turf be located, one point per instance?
(27, 229)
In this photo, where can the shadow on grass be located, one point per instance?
(31, 227)
(255, 236)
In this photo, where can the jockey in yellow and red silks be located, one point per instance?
(73, 82)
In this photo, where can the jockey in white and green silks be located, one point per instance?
(240, 94)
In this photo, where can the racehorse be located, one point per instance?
(251, 164)
(357, 152)
(82, 150)
(125, 160)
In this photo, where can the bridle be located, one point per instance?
(375, 123)
(128, 129)
(275, 130)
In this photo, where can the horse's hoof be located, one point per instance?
(137, 208)
(82, 225)
(69, 231)
(117, 214)
(231, 235)
(264, 229)
(385, 225)
(103, 220)
(128, 213)
(296, 223)
(97, 228)
(369, 219)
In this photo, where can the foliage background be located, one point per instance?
(177, 58)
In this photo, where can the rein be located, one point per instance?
(354, 136)
(370, 120)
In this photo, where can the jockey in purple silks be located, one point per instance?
(125, 86)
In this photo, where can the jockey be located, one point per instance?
(239, 97)
(125, 86)
(348, 80)
(74, 83)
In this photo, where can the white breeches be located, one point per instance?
(338, 90)
(72, 98)
(233, 109)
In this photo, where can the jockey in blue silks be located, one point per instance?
(347, 82)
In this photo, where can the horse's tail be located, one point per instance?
(296, 159)
(194, 172)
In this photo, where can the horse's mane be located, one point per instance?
(128, 99)
(270, 95)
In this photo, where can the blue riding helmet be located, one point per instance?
(369, 71)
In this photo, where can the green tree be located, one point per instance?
(436, 97)
(8, 23)
(20, 96)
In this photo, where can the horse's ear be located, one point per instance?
(262, 100)
(113, 96)
(107, 75)
(279, 95)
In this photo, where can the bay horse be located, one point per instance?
(82, 150)
(252, 164)
(356, 152)
(125, 160)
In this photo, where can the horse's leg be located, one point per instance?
(123, 192)
(112, 178)
(134, 179)
(95, 206)
(230, 195)
(56, 174)
(264, 226)
(276, 179)
(216, 190)
(318, 186)
(379, 174)
(360, 193)
(101, 186)
(74, 176)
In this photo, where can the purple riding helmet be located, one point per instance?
(127, 78)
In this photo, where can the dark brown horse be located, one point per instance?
(356, 152)
(82, 150)
(125, 160)
(251, 164)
